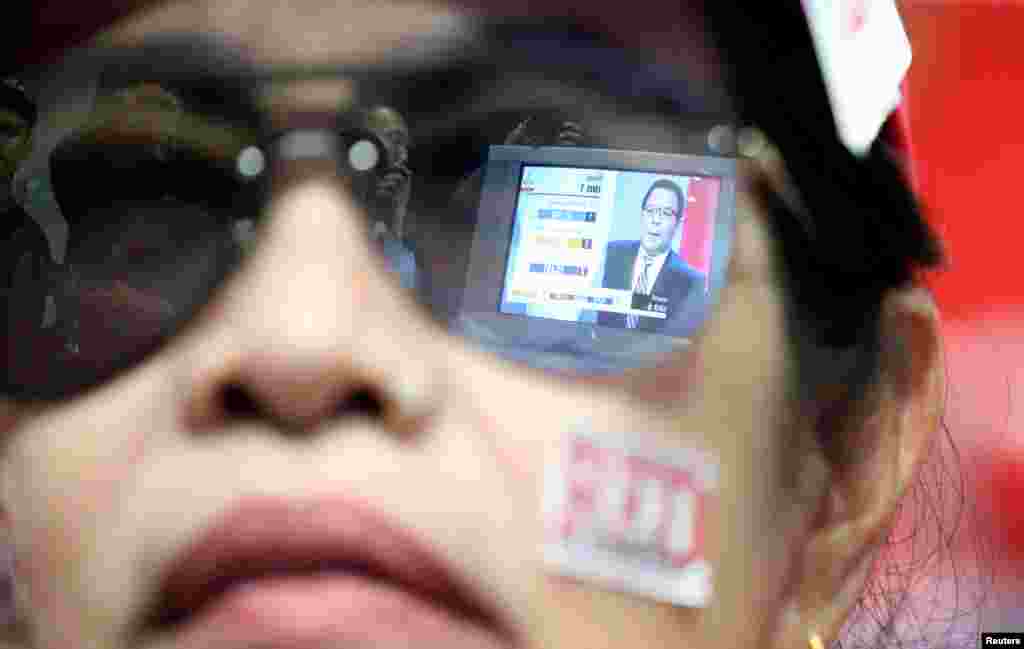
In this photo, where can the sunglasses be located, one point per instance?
(499, 172)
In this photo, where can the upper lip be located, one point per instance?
(263, 536)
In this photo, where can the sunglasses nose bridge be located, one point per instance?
(312, 322)
(354, 154)
(307, 144)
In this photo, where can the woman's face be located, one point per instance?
(102, 491)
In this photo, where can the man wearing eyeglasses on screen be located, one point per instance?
(650, 267)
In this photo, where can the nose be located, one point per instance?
(311, 329)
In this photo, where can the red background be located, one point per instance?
(965, 90)
(698, 232)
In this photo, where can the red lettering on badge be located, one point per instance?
(634, 503)
(856, 14)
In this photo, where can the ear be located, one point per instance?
(860, 499)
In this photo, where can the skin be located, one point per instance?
(658, 226)
(87, 485)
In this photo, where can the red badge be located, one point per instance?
(631, 517)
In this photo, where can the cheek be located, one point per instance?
(58, 485)
(519, 462)
(94, 461)
(743, 398)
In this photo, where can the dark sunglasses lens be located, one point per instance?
(154, 195)
(581, 240)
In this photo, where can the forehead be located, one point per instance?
(275, 31)
(304, 31)
(661, 196)
(387, 119)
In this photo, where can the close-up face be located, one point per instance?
(302, 454)
(661, 215)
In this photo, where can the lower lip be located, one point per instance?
(329, 611)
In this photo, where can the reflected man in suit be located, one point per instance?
(650, 267)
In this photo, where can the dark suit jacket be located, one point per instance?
(679, 283)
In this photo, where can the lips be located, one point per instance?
(266, 539)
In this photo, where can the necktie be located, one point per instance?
(639, 287)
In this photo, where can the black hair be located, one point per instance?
(664, 183)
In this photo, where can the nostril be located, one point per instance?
(238, 403)
(361, 402)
